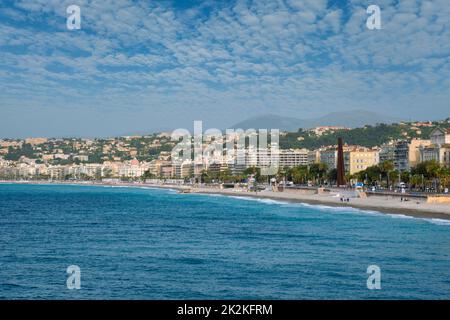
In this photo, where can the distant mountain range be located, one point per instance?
(350, 119)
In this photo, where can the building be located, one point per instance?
(155, 166)
(313, 156)
(81, 157)
(236, 169)
(293, 157)
(407, 154)
(423, 124)
(429, 153)
(187, 169)
(258, 157)
(440, 136)
(176, 170)
(439, 149)
(356, 158)
(10, 143)
(329, 157)
(91, 170)
(444, 158)
(167, 171)
(323, 129)
(387, 152)
(61, 156)
(132, 169)
(401, 155)
(47, 157)
(35, 141)
(56, 172)
(360, 158)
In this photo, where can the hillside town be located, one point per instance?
(133, 158)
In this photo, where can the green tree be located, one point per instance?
(318, 171)
(148, 175)
(332, 175)
(300, 174)
(386, 168)
(256, 172)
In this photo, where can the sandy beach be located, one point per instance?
(384, 204)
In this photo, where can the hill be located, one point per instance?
(349, 119)
(368, 136)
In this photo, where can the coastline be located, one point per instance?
(389, 208)
(382, 204)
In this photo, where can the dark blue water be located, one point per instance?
(156, 244)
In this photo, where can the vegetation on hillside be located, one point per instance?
(368, 136)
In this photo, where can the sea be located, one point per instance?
(145, 243)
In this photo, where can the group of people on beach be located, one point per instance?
(345, 199)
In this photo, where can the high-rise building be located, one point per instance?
(407, 153)
(387, 152)
(329, 157)
(293, 157)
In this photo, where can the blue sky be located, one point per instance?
(140, 66)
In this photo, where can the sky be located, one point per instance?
(145, 66)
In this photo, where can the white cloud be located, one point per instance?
(294, 56)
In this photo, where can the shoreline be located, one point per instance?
(416, 213)
(382, 204)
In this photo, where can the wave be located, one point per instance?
(271, 201)
(261, 200)
(287, 203)
(400, 216)
(324, 207)
(211, 195)
(440, 222)
(338, 209)
(170, 190)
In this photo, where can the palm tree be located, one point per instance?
(443, 175)
(300, 174)
(386, 168)
(318, 170)
(416, 180)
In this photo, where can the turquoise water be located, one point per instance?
(133, 243)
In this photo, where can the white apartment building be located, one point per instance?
(293, 157)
